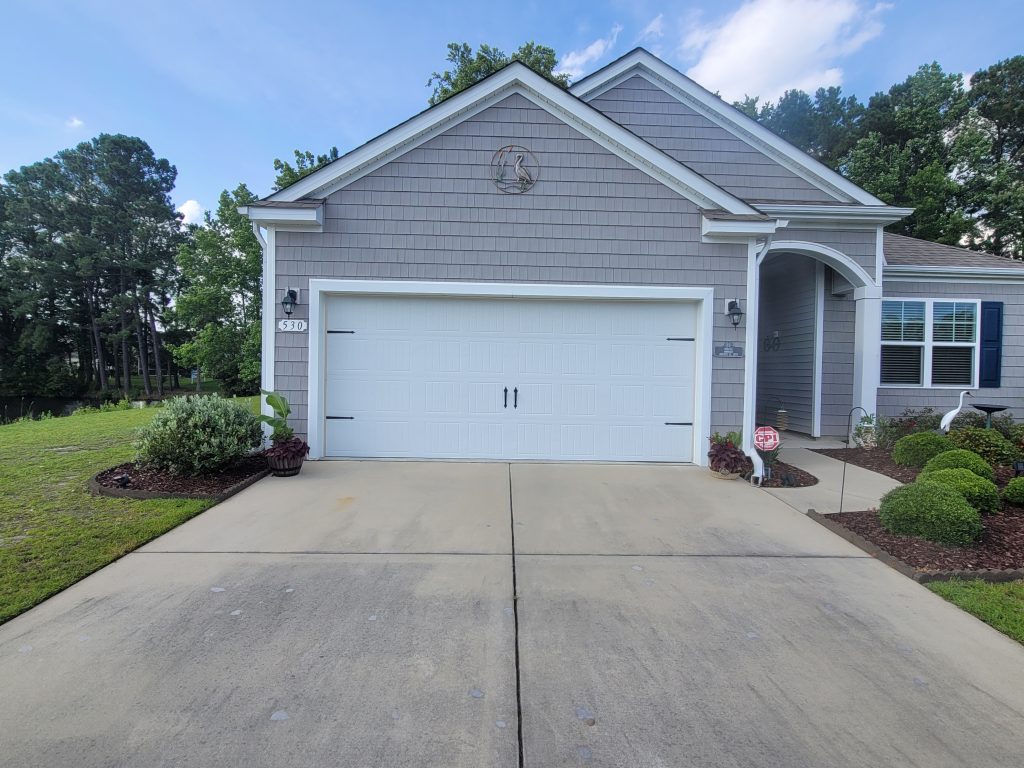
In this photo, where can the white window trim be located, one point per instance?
(929, 344)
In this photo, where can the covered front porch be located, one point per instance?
(816, 339)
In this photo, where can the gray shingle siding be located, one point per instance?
(434, 214)
(785, 376)
(694, 140)
(892, 401)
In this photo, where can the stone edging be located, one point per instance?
(130, 493)
(922, 577)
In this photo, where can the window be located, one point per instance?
(929, 343)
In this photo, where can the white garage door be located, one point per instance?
(567, 380)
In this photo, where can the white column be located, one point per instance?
(269, 328)
(750, 361)
(867, 358)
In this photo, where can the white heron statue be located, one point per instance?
(947, 420)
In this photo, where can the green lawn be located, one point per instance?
(52, 531)
(1000, 605)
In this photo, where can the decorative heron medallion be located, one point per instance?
(514, 169)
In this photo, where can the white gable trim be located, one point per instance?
(515, 78)
(654, 70)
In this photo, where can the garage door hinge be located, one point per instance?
(678, 423)
(680, 338)
(344, 418)
(341, 331)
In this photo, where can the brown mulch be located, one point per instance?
(1001, 545)
(876, 459)
(787, 476)
(142, 479)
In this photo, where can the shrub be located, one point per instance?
(1003, 423)
(987, 443)
(912, 421)
(197, 435)
(931, 511)
(1013, 493)
(915, 450)
(980, 493)
(958, 458)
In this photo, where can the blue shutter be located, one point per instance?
(991, 361)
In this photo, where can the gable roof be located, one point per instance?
(903, 251)
(641, 62)
(514, 78)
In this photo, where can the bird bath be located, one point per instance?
(988, 409)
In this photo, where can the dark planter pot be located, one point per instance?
(285, 467)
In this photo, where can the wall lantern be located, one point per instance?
(734, 313)
(291, 298)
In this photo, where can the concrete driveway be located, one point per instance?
(362, 615)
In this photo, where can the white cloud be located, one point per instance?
(74, 122)
(769, 46)
(191, 211)
(655, 29)
(575, 63)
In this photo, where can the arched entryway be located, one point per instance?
(807, 337)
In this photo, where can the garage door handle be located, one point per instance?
(506, 397)
(515, 397)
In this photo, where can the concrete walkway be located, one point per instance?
(363, 614)
(864, 488)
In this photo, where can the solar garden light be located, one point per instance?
(1018, 468)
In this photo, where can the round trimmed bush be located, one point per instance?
(980, 493)
(987, 443)
(198, 435)
(931, 511)
(1013, 493)
(915, 450)
(959, 458)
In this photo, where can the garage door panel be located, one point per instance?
(425, 377)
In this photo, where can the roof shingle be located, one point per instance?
(904, 251)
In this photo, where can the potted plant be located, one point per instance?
(286, 454)
(726, 459)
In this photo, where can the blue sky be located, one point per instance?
(222, 88)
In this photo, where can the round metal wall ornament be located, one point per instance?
(514, 169)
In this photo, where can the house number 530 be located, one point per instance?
(295, 326)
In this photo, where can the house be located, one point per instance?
(610, 273)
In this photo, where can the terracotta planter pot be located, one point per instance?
(285, 467)
(725, 475)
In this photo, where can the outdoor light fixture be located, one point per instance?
(291, 298)
(734, 313)
(1018, 468)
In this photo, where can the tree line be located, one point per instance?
(102, 290)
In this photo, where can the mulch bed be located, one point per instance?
(876, 459)
(154, 481)
(1001, 546)
(787, 476)
(1000, 549)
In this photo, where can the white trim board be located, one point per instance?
(641, 62)
(268, 329)
(819, 346)
(320, 288)
(516, 78)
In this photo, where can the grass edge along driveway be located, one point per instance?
(53, 532)
(999, 605)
